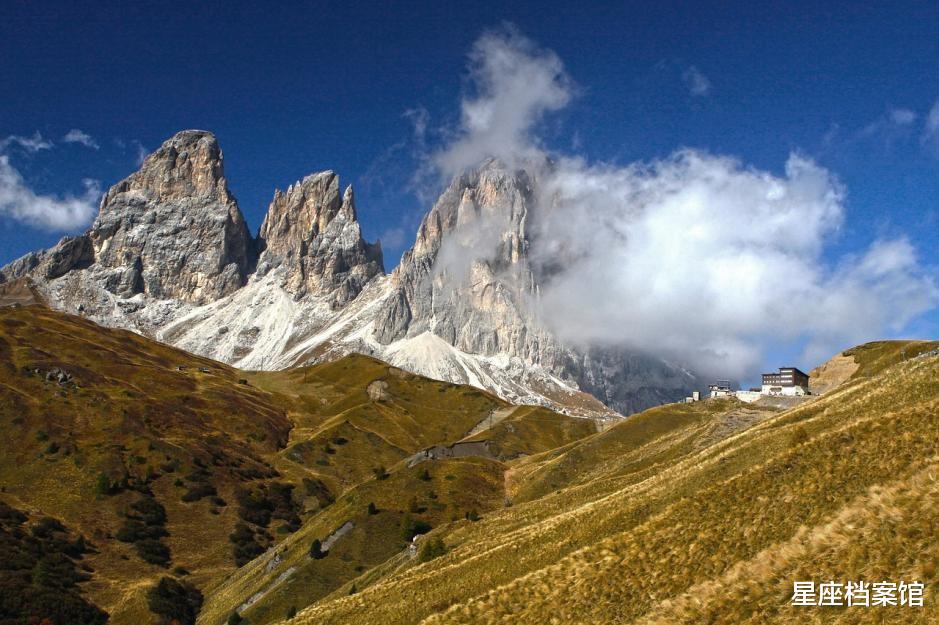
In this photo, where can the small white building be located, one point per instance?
(721, 389)
(787, 382)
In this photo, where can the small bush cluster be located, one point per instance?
(144, 526)
(199, 485)
(39, 576)
(174, 601)
(411, 527)
(246, 545)
(432, 549)
(317, 488)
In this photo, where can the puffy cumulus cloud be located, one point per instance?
(19, 202)
(78, 136)
(697, 83)
(700, 258)
(696, 256)
(515, 83)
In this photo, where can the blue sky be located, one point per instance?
(296, 88)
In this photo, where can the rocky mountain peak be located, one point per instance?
(188, 164)
(470, 280)
(172, 229)
(312, 233)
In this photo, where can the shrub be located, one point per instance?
(372, 509)
(425, 475)
(199, 490)
(245, 544)
(291, 611)
(46, 527)
(411, 527)
(153, 551)
(432, 549)
(149, 510)
(235, 619)
(380, 473)
(105, 486)
(38, 577)
(254, 506)
(317, 488)
(173, 600)
(316, 550)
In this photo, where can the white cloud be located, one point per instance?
(697, 83)
(702, 259)
(19, 202)
(516, 83)
(696, 256)
(29, 144)
(77, 136)
(896, 123)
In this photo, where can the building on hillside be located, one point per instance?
(721, 389)
(788, 381)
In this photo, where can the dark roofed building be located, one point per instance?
(788, 381)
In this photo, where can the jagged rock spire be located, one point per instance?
(312, 233)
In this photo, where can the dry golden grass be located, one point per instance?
(843, 486)
(129, 411)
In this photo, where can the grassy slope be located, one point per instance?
(128, 413)
(681, 526)
(331, 400)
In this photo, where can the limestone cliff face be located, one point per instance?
(313, 234)
(470, 280)
(467, 278)
(173, 229)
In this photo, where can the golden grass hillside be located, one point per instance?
(688, 520)
(177, 466)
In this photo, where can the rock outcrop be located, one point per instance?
(313, 233)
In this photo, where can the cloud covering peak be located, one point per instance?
(695, 256)
(514, 83)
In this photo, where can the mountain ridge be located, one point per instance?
(170, 256)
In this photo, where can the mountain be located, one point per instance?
(169, 256)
